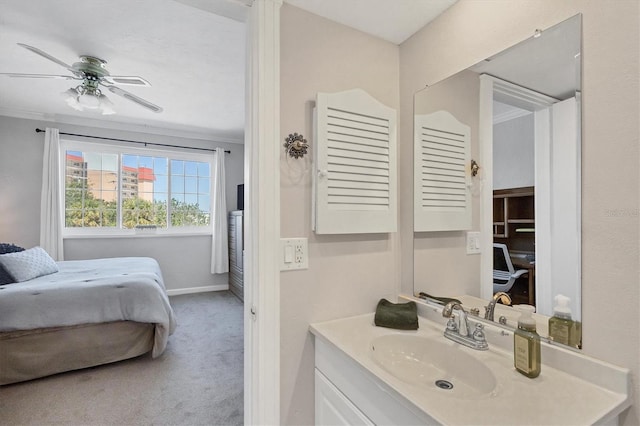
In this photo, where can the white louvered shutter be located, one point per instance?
(355, 181)
(442, 201)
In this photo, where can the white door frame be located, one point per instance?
(262, 216)
(521, 97)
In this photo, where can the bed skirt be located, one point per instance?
(26, 355)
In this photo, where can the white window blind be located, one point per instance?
(441, 173)
(355, 163)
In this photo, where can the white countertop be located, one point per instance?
(554, 397)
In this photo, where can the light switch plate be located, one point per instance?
(473, 243)
(293, 254)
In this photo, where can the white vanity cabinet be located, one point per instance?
(347, 394)
(333, 408)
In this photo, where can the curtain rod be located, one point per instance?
(130, 141)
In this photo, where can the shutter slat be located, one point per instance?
(358, 125)
(350, 200)
(357, 154)
(335, 183)
(336, 144)
(354, 140)
(351, 115)
(363, 134)
(338, 176)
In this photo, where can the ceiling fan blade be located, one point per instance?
(47, 56)
(20, 75)
(130, 80)
(130, 96)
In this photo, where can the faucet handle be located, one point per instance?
(451, 324)
(474, 311)
(478, 333)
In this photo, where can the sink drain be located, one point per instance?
(444, 384)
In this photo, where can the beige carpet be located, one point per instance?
(197, 381)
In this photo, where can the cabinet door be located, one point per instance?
(333, 408)
(355, 181)
(442, 176)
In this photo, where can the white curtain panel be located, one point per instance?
(51, 197)
(220, 238)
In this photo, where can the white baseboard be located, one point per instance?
(203, 289)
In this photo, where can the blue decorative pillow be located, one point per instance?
(28, 264)
(5, 277)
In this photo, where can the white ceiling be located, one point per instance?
(191, 51)
(391, 20)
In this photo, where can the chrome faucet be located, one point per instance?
(459, 332)
(491, 307)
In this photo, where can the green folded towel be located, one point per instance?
(402, 316)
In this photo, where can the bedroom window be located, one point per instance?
(120, 190)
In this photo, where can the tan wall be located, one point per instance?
(473, 30)
(347, 274)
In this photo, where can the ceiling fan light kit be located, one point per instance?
(87, 96)
(80, 99)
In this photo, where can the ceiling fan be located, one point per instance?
(92, 74)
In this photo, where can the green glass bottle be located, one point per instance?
(526, 344)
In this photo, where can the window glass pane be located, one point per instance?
(129, 160)
(145, 162)
(177, 219)
(204, 170)
(73, 218)
(160, 166)
(129, 218)
(110, 217)
(160, 184)
(191, 168)
(191, 200)
(191, 184)
(92, 218)
(177, 184)
(203, 185)
(74, 198)
(177, 167)
(160, 197)
(91, 186)
(204, 203)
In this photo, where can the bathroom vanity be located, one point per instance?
(371, 375)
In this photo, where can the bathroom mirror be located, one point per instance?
(523, 109)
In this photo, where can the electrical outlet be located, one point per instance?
(294, 254)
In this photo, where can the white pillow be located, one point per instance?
(29, 264)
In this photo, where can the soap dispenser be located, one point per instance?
(562, 328)
(526, 343)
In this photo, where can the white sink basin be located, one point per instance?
(434, 364)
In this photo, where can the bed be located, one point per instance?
(88, 313)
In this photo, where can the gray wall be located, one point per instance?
(185, 260)
(513, 153)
